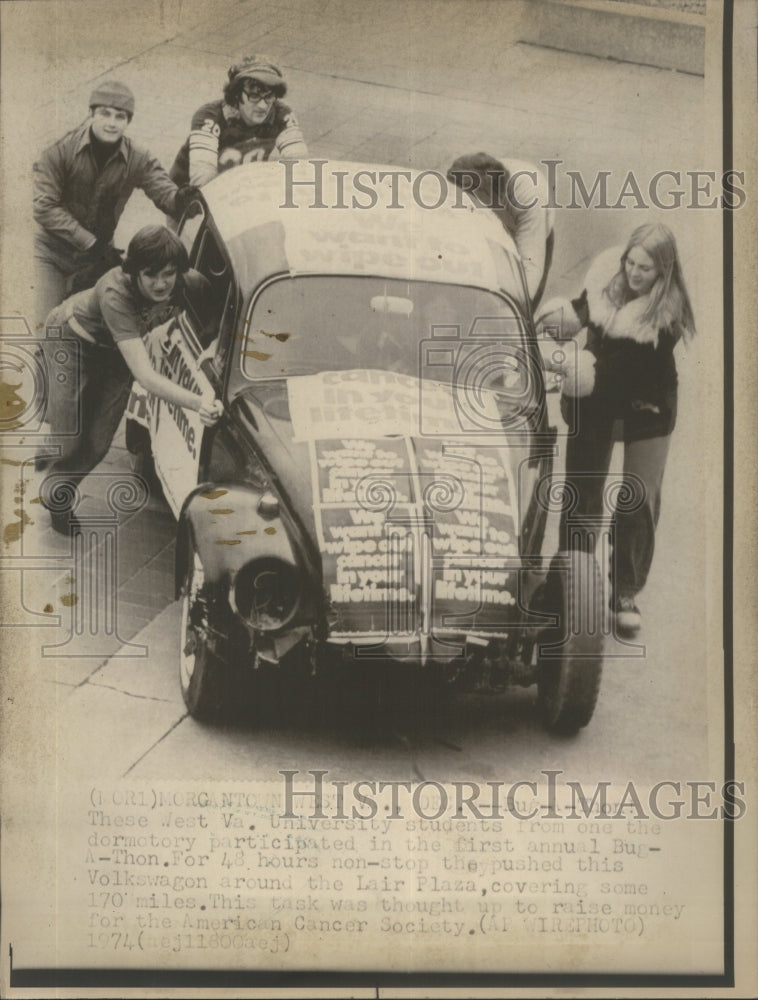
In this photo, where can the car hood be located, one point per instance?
(415, 520)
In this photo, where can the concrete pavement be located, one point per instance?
(404, 83)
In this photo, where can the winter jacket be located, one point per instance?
(635, 371)
(76, 204)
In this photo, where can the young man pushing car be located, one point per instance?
(251, 123)
(81, 186)
(108, 323)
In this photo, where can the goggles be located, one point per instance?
(257, 93)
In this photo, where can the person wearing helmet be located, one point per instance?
(81, 186)
(518, 194)
(250, 123)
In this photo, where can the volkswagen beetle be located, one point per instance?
(377, 489)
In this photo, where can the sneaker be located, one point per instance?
(628, 618)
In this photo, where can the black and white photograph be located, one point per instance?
(376, 474)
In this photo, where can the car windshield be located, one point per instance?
(310, 324)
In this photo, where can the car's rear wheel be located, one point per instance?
(208, 674)
(570, 652)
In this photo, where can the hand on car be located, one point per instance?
(186, 194)
(210, 410)
(553, 354)
(557, 319)
(579, 374)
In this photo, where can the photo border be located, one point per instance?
(193, 980)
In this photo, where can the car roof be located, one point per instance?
(336, 217)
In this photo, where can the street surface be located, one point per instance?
(408, 84)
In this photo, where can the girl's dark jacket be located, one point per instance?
(635, 372)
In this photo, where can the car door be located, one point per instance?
(185, 350)
(176, 432)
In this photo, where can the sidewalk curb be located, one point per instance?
(650, 36)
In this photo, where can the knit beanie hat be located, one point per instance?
(262, 69)
(112, 94)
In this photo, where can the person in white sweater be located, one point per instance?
(518, 193)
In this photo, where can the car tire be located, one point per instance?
(209, 672)
(569, 654)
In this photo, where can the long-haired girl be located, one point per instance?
(635, 308)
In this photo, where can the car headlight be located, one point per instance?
(266, 593)
(268, 506)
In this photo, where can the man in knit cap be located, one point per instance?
(250, 123)
(81, 186)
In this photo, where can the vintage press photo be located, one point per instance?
(382, 637)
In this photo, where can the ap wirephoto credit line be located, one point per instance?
(373, 379)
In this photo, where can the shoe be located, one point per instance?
(628, 617)
(64, 522)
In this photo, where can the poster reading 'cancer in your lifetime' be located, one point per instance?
(369, 555)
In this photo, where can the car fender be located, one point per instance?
(223, 525)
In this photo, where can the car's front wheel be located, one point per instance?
(570, 653)
(208, 674)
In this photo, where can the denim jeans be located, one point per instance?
(56, 266)
(85, 409)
